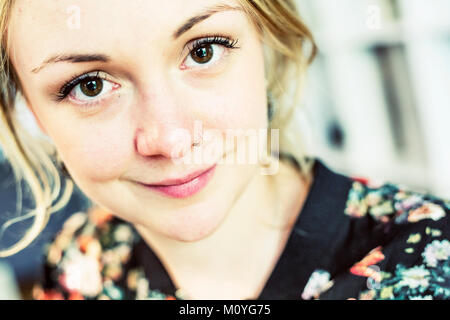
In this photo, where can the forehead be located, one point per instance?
(45, 26)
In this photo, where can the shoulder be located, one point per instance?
(414, 263)
(88, 253)
(405, 235)
(393, 203)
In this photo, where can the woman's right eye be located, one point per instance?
(87, 89)
(91, 87)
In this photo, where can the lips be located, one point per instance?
(184, 187)
(171, 182)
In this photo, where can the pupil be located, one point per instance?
(91, 88)
(203, 54)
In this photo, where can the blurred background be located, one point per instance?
(378, 96)
(377, 103)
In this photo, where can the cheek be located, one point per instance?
(238, 101)
(232, 106)
(249, 89)
(96, 153)
(246, 107)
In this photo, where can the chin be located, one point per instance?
(196, 226)
(192, 236)
(202, 220)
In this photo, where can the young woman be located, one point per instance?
(147, 105)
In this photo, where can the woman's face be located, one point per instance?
(159, 70)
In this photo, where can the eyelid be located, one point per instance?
(210, 38)
(189, 46)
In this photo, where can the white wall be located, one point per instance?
(383, 76)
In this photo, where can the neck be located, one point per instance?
(261, 217)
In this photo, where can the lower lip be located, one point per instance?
(186, 189)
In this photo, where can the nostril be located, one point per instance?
(157, 157)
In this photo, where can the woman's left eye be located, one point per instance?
(208, 51)
(207, 54)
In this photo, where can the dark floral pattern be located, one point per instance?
(386, 204)
(87, 261)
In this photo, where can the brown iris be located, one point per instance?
(203, 54)
(91, 87)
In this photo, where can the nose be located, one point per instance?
(164, 126)
(163, 139)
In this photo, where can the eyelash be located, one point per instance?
(225, 41)
(214, 39)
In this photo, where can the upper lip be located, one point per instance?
(177, 181)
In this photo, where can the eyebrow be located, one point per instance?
(203, 16)
(189, 24)
(74, 58)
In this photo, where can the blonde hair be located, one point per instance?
(284, 35)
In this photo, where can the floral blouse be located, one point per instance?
(352, 240)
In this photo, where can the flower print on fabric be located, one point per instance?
(392, 202)
(318, 283)
(87, 261)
